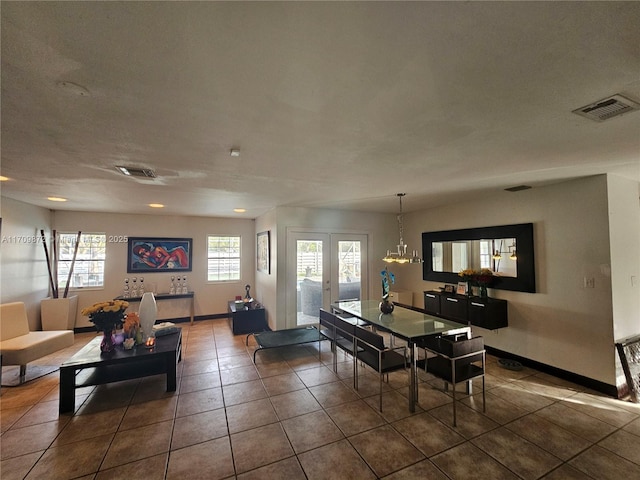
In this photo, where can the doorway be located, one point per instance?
(323, 268)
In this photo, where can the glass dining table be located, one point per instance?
(409, 325)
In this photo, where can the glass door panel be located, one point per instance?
(349, 270)
(323, 268)
(310, 280)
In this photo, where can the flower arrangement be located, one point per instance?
(484, 277)
(131, 324)
(481, 278)
(467, 274)
(106, 315)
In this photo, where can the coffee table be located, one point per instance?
(91, 367)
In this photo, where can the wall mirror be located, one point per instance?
(505, 249)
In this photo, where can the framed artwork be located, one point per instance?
(462, 288)
(263, 261)
(450, 288)
(150, 254)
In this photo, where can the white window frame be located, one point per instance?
(229, 258)
(66, 245)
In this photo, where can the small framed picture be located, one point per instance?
(462, 288)
(450, 288)
(263, 260)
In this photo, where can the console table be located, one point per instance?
(168, 296)
(247, 319)
(489, 313)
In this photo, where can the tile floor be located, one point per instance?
(291, 417)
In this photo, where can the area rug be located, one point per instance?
(11, 375)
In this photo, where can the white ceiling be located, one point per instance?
(337, 104)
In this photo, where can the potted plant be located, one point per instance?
(386, 305)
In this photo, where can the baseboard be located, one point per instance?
(596, 385)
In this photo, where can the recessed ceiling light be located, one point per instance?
(57, 199)
(3, 178)
(156, 205)
(239, 210)
(235, 152)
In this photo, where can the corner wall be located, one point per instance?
(23, 274)
(564, 324)
(624, 234)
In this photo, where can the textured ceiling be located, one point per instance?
(336, 104)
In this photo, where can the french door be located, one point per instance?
(323, 268)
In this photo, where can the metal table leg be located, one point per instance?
(412, 381)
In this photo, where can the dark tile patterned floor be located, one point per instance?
(291, 417)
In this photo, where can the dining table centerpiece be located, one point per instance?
(107, 316)
(388, 278)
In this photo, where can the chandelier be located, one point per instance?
(401, 255)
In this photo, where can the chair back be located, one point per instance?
(344, 328)
(13, 320)
(370, 341)
(327, 319)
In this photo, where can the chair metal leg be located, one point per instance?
(23, 371)
(484, 401)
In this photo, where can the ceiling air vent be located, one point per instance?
(136, 172)
(608, 108)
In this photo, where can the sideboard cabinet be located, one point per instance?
(489, 313)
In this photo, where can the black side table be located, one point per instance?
(247, 319)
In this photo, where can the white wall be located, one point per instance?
(624, 235)
(376, 226)
(564, 324)
(23, 274)
(267, 283)
(210, 298)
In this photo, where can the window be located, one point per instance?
(223, 258)
(459, 256)
(88, 270)
(485, 253)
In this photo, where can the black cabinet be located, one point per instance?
(247, 319)
(489, 313)
(454, 307)
(432, 303)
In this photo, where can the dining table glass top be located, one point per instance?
(403, 322)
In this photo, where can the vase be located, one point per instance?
(147, 312)
(483, 291)
(386, 306)
(469, 291)
(59, 313)
(107, 345)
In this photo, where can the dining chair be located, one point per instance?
(456, 360)
(328, 330)
(372, 351)
(345, 340)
